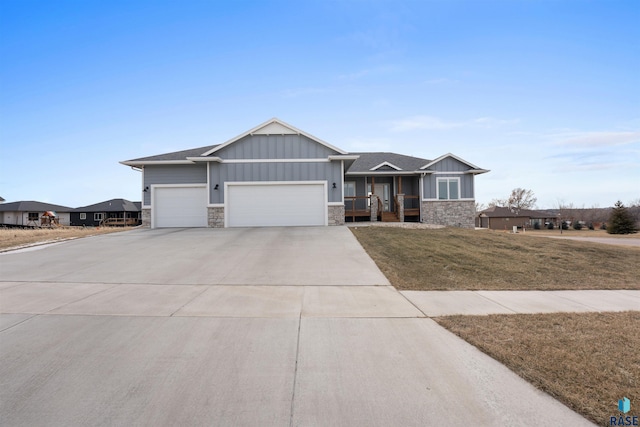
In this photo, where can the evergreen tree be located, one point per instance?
(621, 221)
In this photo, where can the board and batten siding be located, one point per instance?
(277, 171)
(466, 185)
(172, 174)
(275, 147)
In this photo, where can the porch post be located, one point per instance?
(399, 183)
(373, 185)
(374, 207)
(400, 207)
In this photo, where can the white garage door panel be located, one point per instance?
(276, 205)
(180, 207)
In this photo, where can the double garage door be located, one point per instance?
(247, 205)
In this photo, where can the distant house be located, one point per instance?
(29, 213)
(119, 211)
(2, 200)
(503, 218)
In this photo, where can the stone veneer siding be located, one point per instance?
(146, 217)
(449, 213)
(215, 217)
(335, 215)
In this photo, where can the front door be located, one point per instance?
(383, 191)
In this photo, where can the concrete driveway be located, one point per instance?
(281, 327)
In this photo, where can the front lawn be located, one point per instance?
(586, 360)
(458, 259)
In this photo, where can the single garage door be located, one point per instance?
(270, 205)
(180, 207)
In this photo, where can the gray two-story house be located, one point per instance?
(278, 175)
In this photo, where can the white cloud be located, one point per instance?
(597, 139)
(436, 123)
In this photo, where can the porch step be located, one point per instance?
(389, 217)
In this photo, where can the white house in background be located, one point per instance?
(30, 213)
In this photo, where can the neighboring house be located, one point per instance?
(277, 175)
(31, 212)
(503, 218)
(124, 211)
(2, 200)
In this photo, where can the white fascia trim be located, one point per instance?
(469, 172)
(452, 156)
(205, 159)
(344, 157)
(275, 161)
(391, 165)
(268, 122)
(158, 162)
(381, 173)
(228, 183)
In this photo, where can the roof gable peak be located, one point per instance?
(273, 126)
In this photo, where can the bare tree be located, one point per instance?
(480, 207)
(497, 202)
(521, 198)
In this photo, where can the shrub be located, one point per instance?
(591, 227)
(565, 226)
(550, 226)
(536, 225)
(577, 225)
(603, 226)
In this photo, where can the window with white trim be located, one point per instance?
(98, 216)
(33, 216)
(448, 188)
(83, 216)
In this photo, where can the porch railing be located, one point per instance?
(356, 206)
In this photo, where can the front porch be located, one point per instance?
(386, 198)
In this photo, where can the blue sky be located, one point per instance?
(545, 94)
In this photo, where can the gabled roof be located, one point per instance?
(1, 199)
(176, 156)
(505, 212)
(113, 205)
(32, 206)
(368, 162)
(453, 156)
(270, 127)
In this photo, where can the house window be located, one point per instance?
(448, 188)
(98, 216)
(349, 188)
(83, 216)
(33, 216)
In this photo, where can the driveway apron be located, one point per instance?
(252, 326)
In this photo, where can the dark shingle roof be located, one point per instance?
(371, 160)
(113, 205)
(176, 155)
(32, 206)
(504, 212)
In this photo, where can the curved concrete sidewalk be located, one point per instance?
(192, 341)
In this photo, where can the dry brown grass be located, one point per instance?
(587, 361)
(16, 237)
(457, 259)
